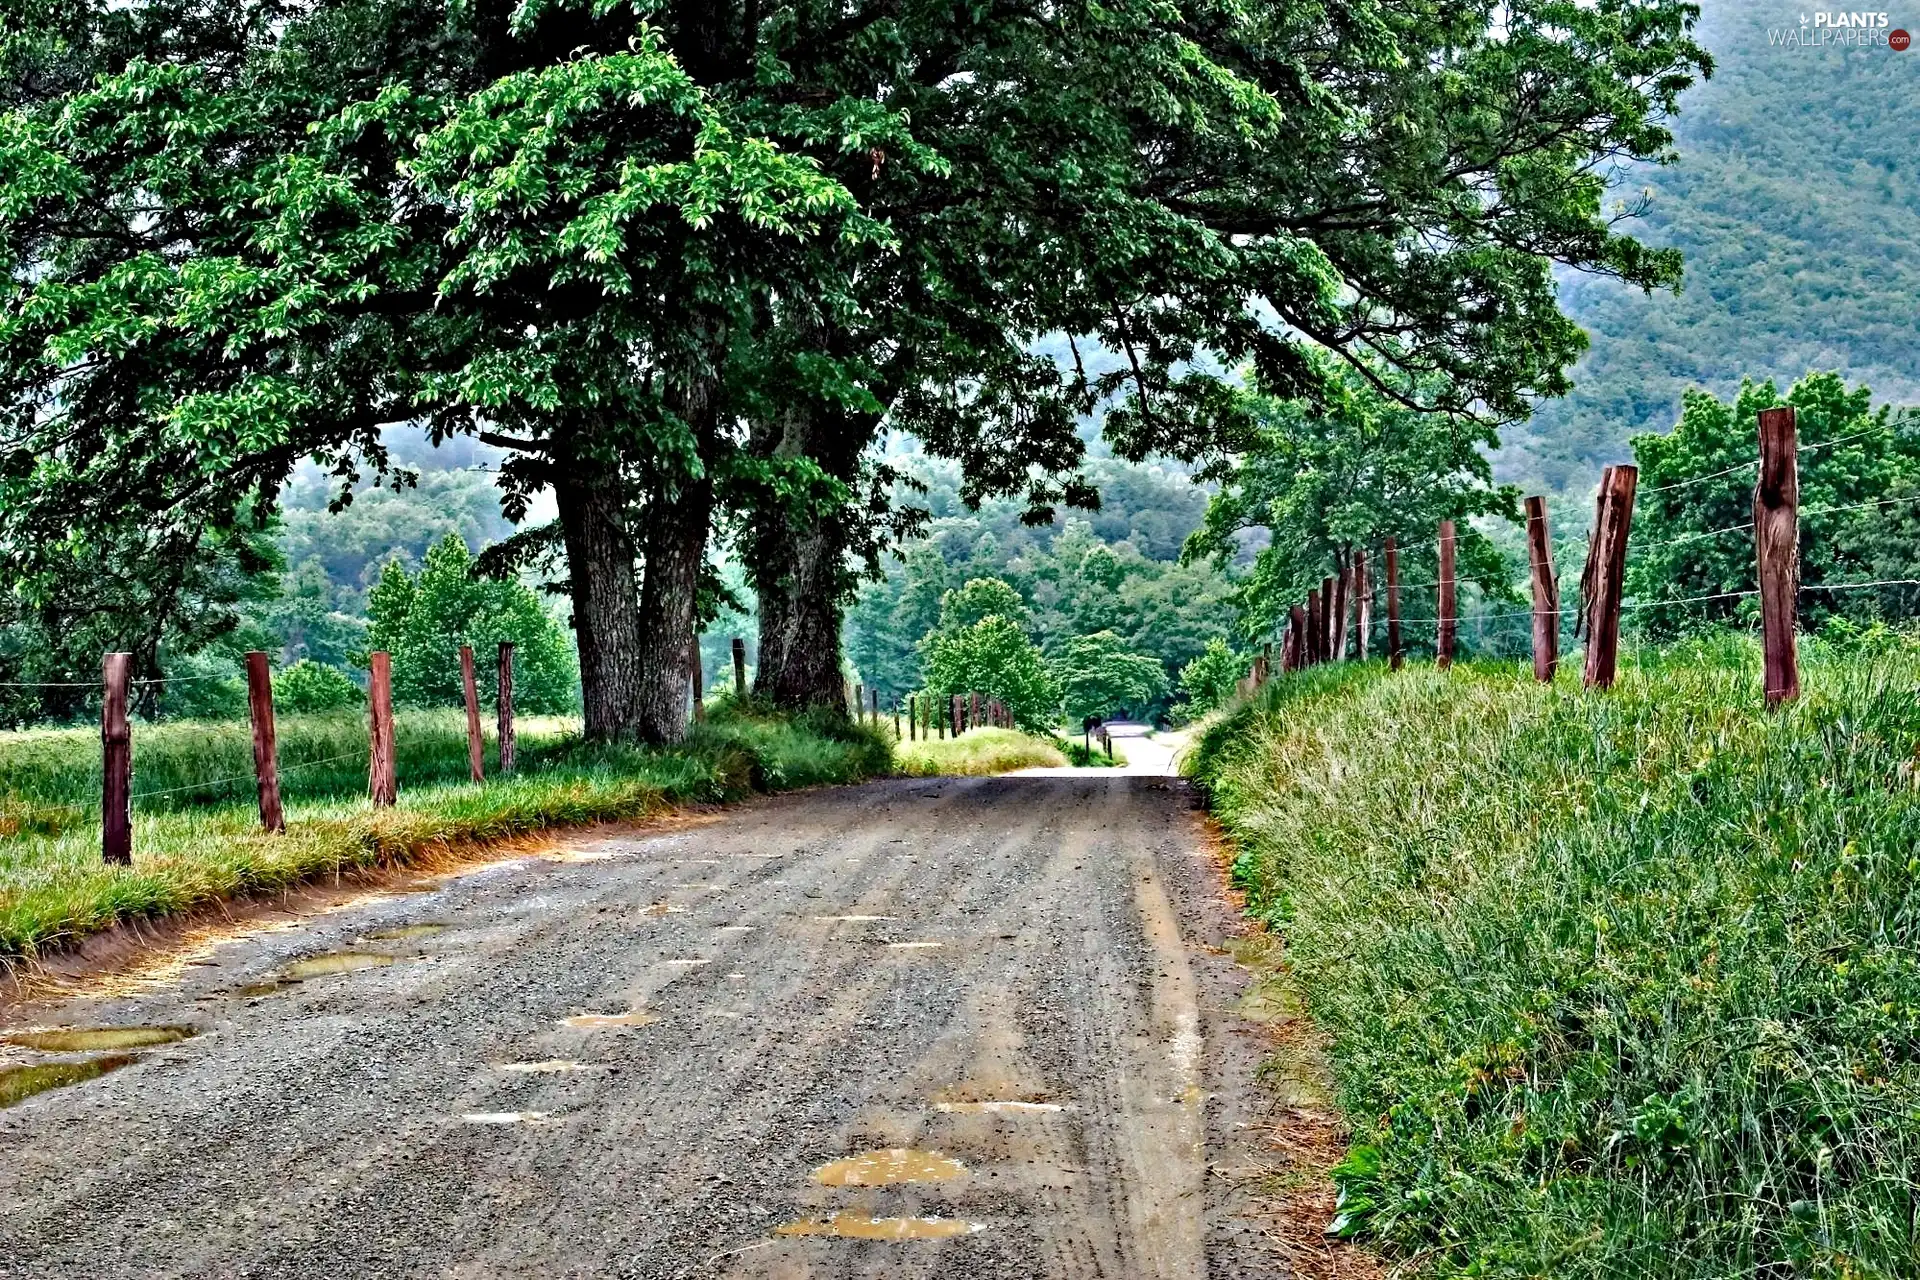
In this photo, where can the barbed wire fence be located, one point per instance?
(1333, 623)
(118, 757)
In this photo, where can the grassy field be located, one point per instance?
(199, 841)
(978, 752)
(50, 778)
(1615, 985)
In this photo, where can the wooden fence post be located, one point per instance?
(1776, 541)
(1606, 574)
(1315, 628)
(1338, 649)
(116, 760)
(873, 695)
(739, 668)
(953, 713)
(503, 703)
(859, 703)
(973, 718)
(697, 676)
(1326, 619)
(476, 745)
(382, 784)
(1546, 592)
(1394, 655)
(1448, 622)
(1296, 649)
(1363, 604)
(266, 757)
(896, 718)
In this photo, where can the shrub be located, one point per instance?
(314, 686)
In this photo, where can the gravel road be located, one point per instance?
(988, 1021)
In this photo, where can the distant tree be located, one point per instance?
(983, 598)
(1209, 680)
(994, 658)
(312, 686)
(423, 619)
(1098, 676)
(1859, 507)
(1326, 479)
(306, 620)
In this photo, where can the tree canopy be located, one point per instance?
(684, 261)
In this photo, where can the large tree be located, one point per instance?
(613, 244)
(1220, 186)
(521, 222)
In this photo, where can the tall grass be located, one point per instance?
(978, 752)
(1618, 984)
(50, 778)
(54, 888)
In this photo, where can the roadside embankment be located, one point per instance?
(55, 890)
(1612, 984)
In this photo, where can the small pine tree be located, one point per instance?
(423, 619)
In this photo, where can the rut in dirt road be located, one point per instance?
(967, 1028)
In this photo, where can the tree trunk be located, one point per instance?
(678, 520)
(606, 604)
(798, 566)
(799, 577)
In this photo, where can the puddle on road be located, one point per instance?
(316, 967)
(885, 1167)
(17, 1084)
(633, 1018)
(541, 1068)
(335, 962)
(859, 1226)
(90, 1039)
(998, 1108)
(403, 931)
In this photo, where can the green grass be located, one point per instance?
(977, 752)
(1079, 755)
(54, 888)
(50, 778)
(1617, 984)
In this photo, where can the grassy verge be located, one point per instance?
(1079, 755)
(54, 888)
(50, 778)
(978, 752)
(1619, 984)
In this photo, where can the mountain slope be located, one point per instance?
(1796, 201)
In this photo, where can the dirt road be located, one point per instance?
(989, 1015)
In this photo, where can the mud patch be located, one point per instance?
(541, 1068)
(886, 1167)
(593, 1021)
(94, 1039)
(17, 1084)
(859, 1226)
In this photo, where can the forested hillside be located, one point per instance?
(1796, 202)
(1116, 569)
